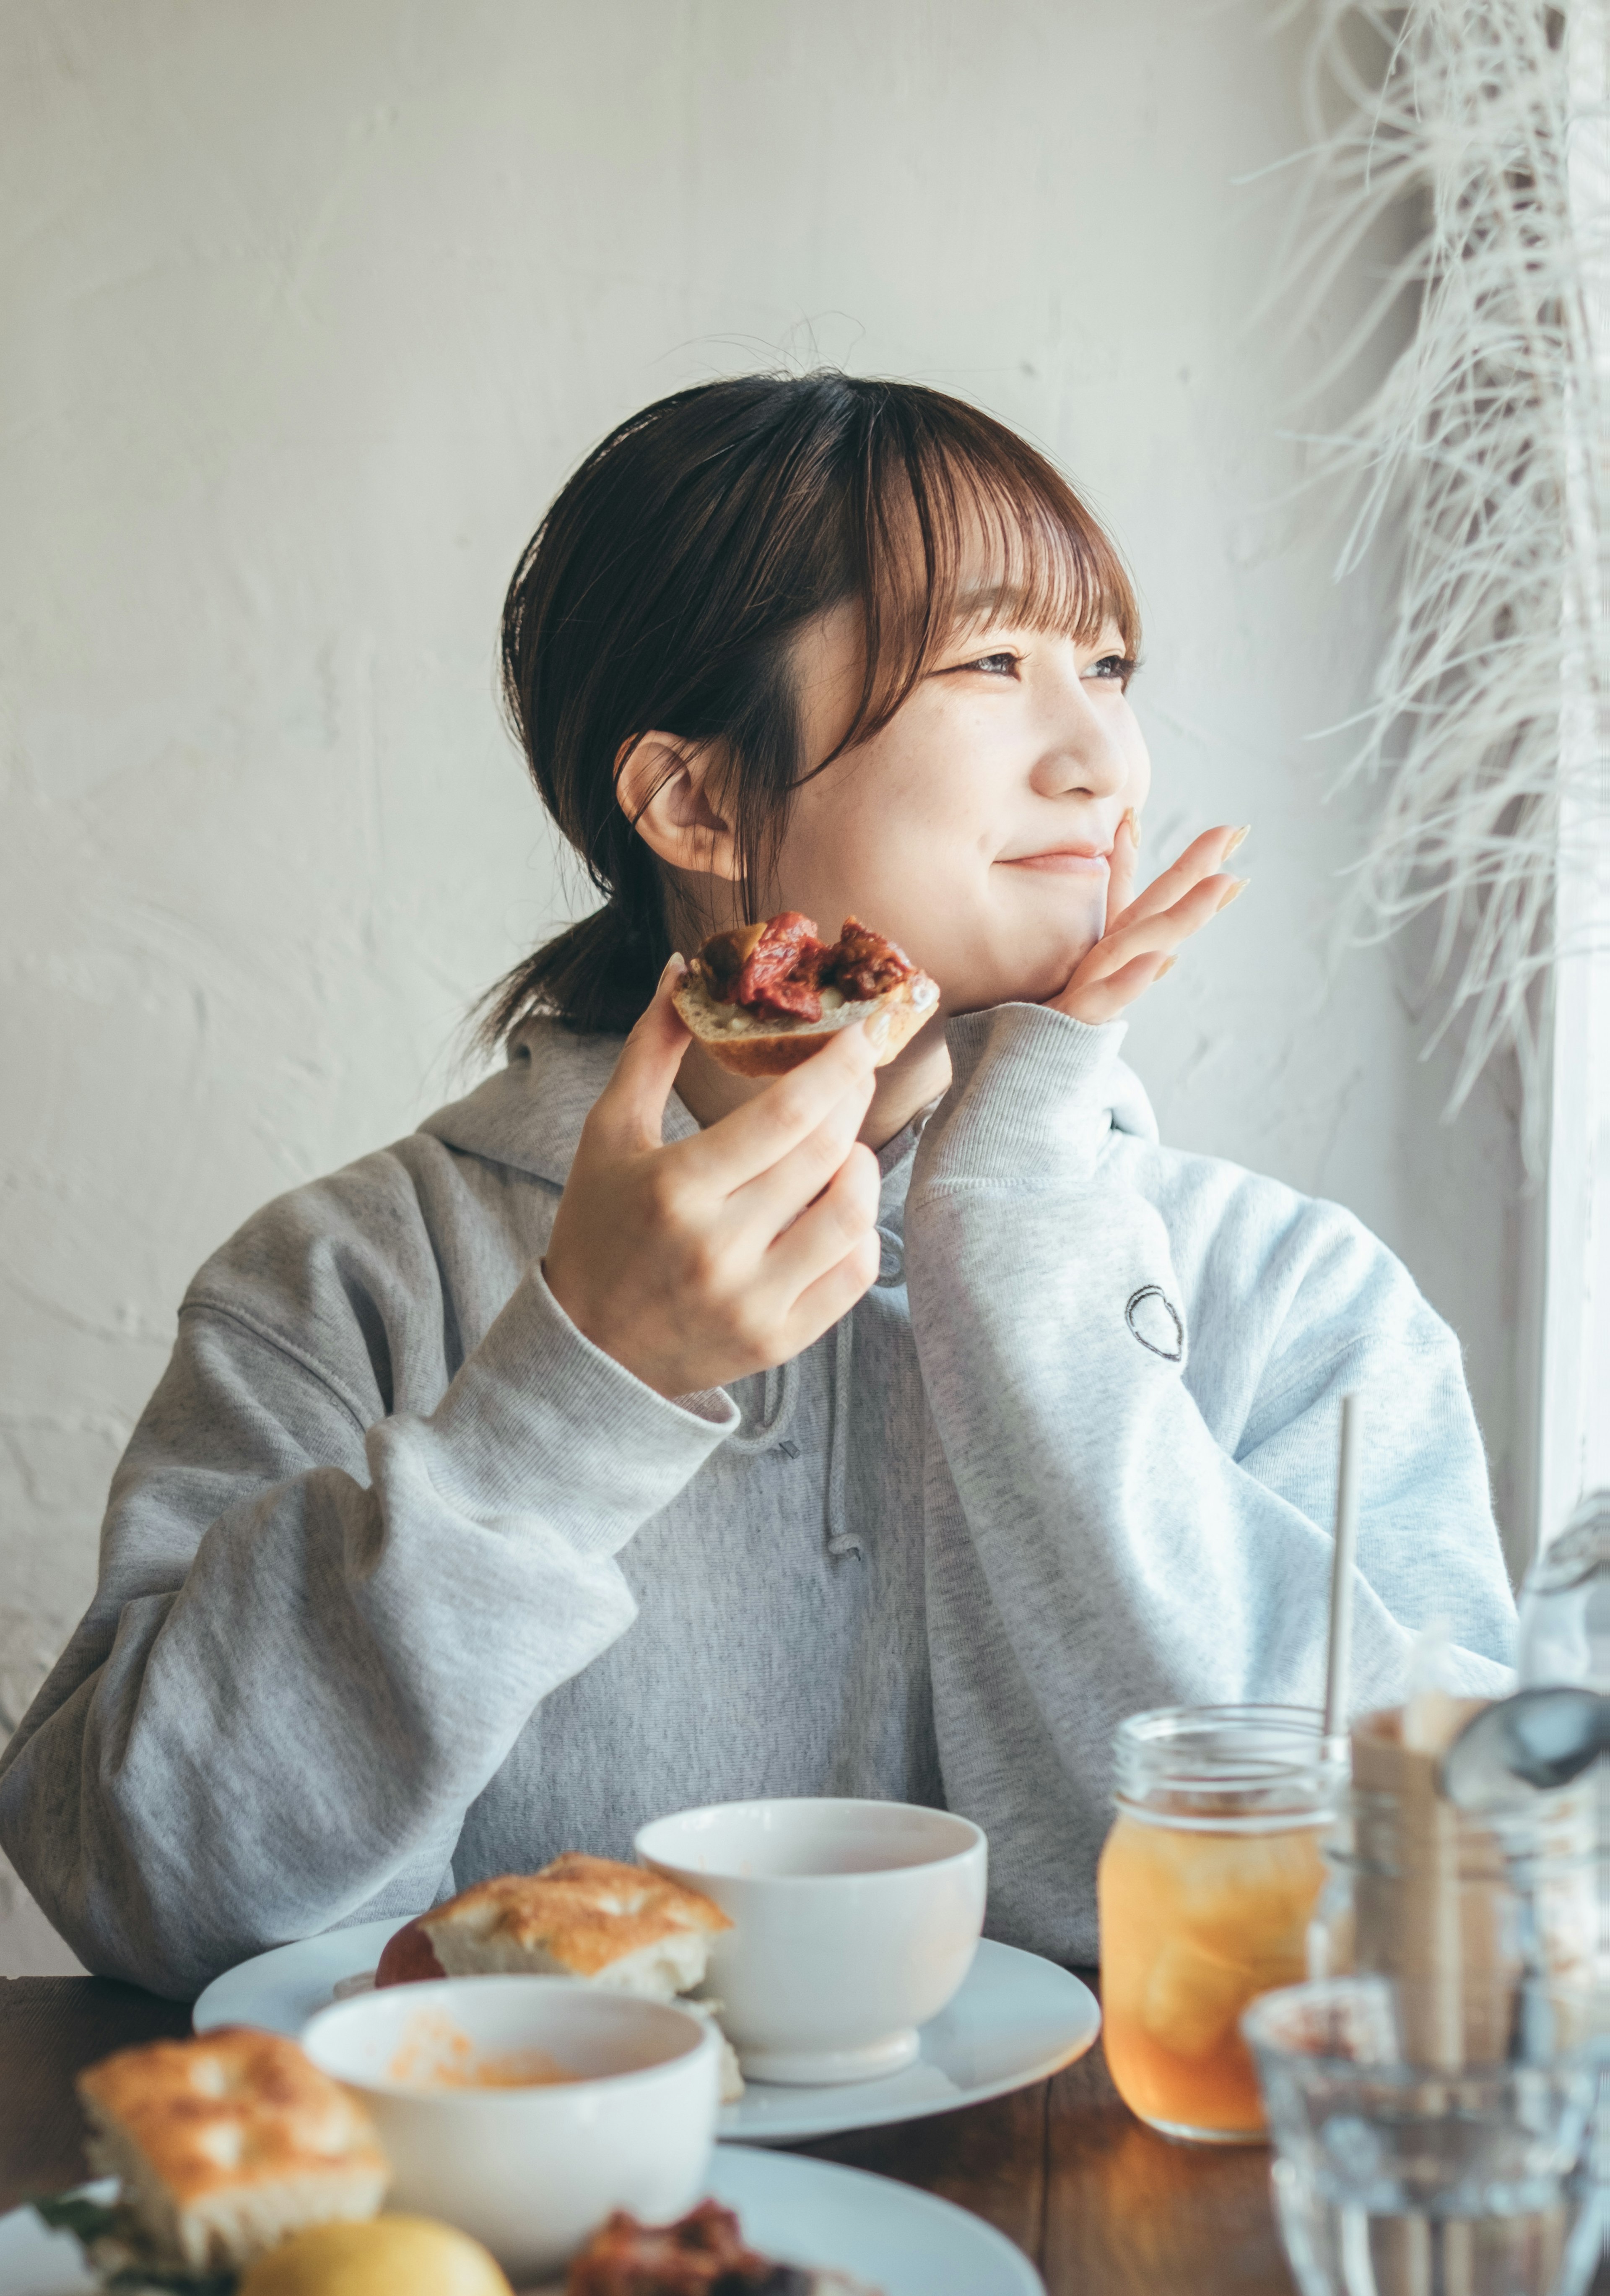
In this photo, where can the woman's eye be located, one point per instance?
(995, 665)
(1112, 669)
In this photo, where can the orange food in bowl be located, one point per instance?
(435, 2053)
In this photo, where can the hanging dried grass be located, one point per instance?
(1480, 461)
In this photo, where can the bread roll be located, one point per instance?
(618, 1925)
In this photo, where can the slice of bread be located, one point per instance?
(225, 2144)
(588, 1918)
(760, 1044)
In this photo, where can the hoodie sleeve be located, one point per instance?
(319, 1628)
(1098, 1543)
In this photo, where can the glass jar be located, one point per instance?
(1206, 1888)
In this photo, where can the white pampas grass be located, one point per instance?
(1481, 461)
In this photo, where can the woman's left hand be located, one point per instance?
(1144, 932)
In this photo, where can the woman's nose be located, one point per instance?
(1082, 754)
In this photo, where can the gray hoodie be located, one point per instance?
(403, 1582)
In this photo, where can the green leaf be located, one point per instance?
(86, 2221)
(89, 2221)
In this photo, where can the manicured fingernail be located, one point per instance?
(1239, 840)
(675, 966)
(1167, 965)
(1133, 819)
(1237, 886)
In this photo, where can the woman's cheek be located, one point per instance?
(1006, 969)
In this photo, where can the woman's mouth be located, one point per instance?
(1061, 861)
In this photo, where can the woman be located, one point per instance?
(632, 1435)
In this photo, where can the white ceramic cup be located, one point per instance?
(532, 2172)
(854, 1923)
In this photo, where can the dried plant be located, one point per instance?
(1480, 462)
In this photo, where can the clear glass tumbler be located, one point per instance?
(1401, 2179)
(1205, 1887)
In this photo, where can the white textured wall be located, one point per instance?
(310, 308)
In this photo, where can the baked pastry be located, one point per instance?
(589, 1917)
(703, 2254)
(584, 1917)
(761, 998)
(223, 2145)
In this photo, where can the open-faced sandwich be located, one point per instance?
(763, 997)
(610, 1925)
(704, 2254)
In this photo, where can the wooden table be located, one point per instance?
(1103, 2206)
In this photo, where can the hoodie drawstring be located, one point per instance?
(891, 1270)
(779, 1395)
(840, 1541)
(779, 1399)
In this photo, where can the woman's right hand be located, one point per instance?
(726, 1253)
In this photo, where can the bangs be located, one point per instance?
(960, 524)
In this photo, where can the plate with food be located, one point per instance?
(798, 2229)
(1014, 2019)
(577, 2163)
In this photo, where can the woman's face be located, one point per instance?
(975, 829)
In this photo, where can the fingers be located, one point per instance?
(759, 1135)
(840, 1227)
(631, 1109)
(1141, 950)
(781, 1192)
(1203, 857)
(1161, 933)
(1122, 869)
(1103, 1000)
(833, 1295)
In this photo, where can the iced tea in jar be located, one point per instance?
(1206, 1888)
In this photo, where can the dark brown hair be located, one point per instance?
(665, 587)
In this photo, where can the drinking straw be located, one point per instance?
(1339, 1658)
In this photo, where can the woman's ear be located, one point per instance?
(668, 789)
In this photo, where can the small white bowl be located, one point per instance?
(530, 2172)
(854, 1923)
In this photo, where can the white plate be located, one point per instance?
(808, 2212)
(1016, 2019)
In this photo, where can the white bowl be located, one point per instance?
(531, 2172)
(854, 1923)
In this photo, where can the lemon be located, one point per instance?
(388, 2256)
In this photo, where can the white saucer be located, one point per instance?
(1017, 2019)
(808, 2212)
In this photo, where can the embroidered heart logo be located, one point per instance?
(1155, 1320)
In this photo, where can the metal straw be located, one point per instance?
(1339, 1661)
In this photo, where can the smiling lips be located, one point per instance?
(1063, 861)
